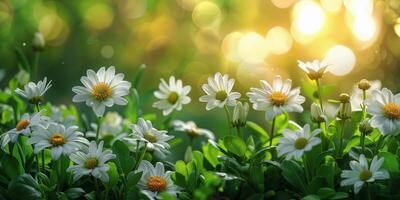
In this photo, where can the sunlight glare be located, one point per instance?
(252, 47)
(279, 40)
(309, 18)
(364, 28)
(341, 60)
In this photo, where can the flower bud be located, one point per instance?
(240, 114)
(38, 42)
(365, 126)
(344, 111)
(364, 84)
(344, 98)
(317, 115)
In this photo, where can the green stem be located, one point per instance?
(321, 136)
(306, 168)
(272, 131)
(98, 129)
(319, 94)
(379, 144)
(141, 156)
(341, 138)
(21, 153)
(43, 163)
(364, 114)
(228, 118)
(96, 184)
(362, 141)
(239, 132)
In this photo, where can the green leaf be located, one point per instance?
(24, 187)
(23, 62)
(123, 160)
(327, 171)
(257, 177)
(311, 197)
(235, 145)
(210, 153)
(74, 193)
(326, 193)
(294, 174)
(391, 162)
(11, 166)
(262, 134)
(138, 76)
(113, 175)
(133, 178)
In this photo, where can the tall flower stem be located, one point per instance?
(239, 132)
(306, 168)
(21, 153)
(228, 118)
(272, 131)
(341, 138)
(319, 94)
(43, 162)
(364, 114)
(141, 156)
(321, 135)
(99, 119)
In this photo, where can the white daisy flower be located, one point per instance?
(34, 92)
(385, 110)
(172, 96)
(93, 162)
(315, 69)
(219, 92)
(360, 173)
(156, 141)
(276, 99)
(192, 129)
(57, 116)
(24, 127)
(102, 89)
(240, 112)
(295, 143)
(356, 98)
(58, 138)
(155, 180)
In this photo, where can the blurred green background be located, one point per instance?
(192, 39)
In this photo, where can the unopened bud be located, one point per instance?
(365, 126)
(38, 42)
(364, 84)
(344, 98)
(240, 114)
(344, 111)
(317, 115)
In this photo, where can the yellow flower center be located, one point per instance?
(149, 136)
(173, 97)
(300, 143)
(156, 183)
(57, 139)
(22, 124)
(221, 95)
(101, 91)
(278, 98)
(365, 175)
(91, 163)
(392, 110)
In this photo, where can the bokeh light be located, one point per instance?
(54, 29)
(282, 3)
(98, 17)
(252, 48)
(279, 40)
(107, 51)
(331, 5)
(207, 14)
(308, 16)
(364, 27)
(396, 27)
(230, 46)
(341, 60)
(359, 7)
(132, 9)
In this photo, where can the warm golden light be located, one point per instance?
(359, 7)
(396, 27)
(54, 29)
(331, 5)
(364, 28)
(340, 59)
(279, 40)
(206, 14)
(282, 3)
(252, 48)
(98, 17)
(308, 16)
(230, 46)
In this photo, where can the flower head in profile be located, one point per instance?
(356, 98)
(385, 110)
(276, 99)
(25, 126)
(295, 143)
(34, 92)
(102, 89)
(315, 69)
(93, 162)
(191, 129)
(155, 180)
(155, 140)
(171, 95)
(219, 92)
(360, 173)
(57, 137)
(317, 115)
